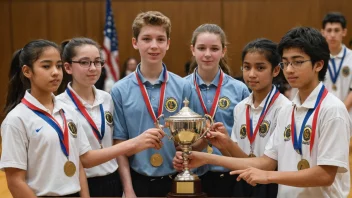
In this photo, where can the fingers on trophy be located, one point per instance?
(187, 127)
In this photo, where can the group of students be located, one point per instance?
(87, 142)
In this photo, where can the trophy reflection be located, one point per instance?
(186, 128)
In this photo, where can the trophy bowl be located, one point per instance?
(187, 127)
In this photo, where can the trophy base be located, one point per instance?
(186, 189)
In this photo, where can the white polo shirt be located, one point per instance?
(344, 80)
(31, 144)
(101, 97)
(331, 145)
(239, 131)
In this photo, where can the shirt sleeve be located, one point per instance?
(271, 148)
(120, 127)
(84, 145)
(235, 124)
(14, 145)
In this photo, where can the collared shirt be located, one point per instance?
(239, 130)
(231, 93)
(131, 116)
(330, 147)
(101, 97)
(31, 144)
(344, 80)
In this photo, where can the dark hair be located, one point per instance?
(311, 42)
(214, 29)
(68, 51)
(18, 83)
(268, 49)
(334, 17)
(125, 64)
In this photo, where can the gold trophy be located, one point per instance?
(186, 127)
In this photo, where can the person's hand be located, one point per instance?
(252, 176)
(178, 161)
(218, 136)
(196, 159)
(150, 138)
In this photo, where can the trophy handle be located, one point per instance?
(208, 117)
(157, 125)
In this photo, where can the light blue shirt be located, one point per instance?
(232, 92)
(131, 117)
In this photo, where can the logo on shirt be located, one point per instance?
(37, 130)
(306, 134)
(243, 131)
(108, 117)
(287, 133)
(264, 128)
(72, 127)
(224, 102)
(345, 71)
(171, 104)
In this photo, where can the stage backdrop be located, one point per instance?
(242, 20)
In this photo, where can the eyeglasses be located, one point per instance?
(294, 64)
(88, 63)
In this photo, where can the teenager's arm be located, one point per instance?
(312, 177)
(348, 101)
(151, 138)
(16, 182)
(125, 174)
(83, 182)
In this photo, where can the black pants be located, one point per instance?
(71, 195)
(243, 189)
(105, 186)
(218, 184)
(145, 186)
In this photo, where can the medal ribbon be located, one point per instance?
(86, 115)
(146, 98)
(63, 134)
(297, 144)
(216, 97)
(335, 74)
(251, 135)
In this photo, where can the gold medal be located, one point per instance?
(251, 155)
(101, 146)
(334, 87)
(156, 160)
(303, 164)
(209, 149)
(69, 168)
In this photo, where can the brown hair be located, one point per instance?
(214, 29)
(150, 18)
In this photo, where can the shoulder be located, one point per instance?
(333, 107)
(123, 85)
(103, 94)
(283, 101)
(235, 83)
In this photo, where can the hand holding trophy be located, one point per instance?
(187, 127)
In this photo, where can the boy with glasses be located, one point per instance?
(309, 145)
(339, 78)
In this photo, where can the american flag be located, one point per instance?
(110, 48)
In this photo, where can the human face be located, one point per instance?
(208, 51)
(334, 34)
(304, 76)
(131, 65)
(85, 76)
(152, 44)
(257, 71)
(46, 75)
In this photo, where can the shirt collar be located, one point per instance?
(340, 54)
(250, 100)
(214, 82)
(97, 100)
(28, 96)
(309, 103)
(144, 80)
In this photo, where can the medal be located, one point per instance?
(251, 155)
(303, 164)
(333, 71)
(210, 149)
(69, 168)
(156, 160)
(98, 135)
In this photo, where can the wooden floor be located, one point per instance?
(5, 193)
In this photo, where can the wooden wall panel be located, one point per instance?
(65, 20)
(29, 21)
(247, 20)
(94, 17)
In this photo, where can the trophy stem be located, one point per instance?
(186, 149)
